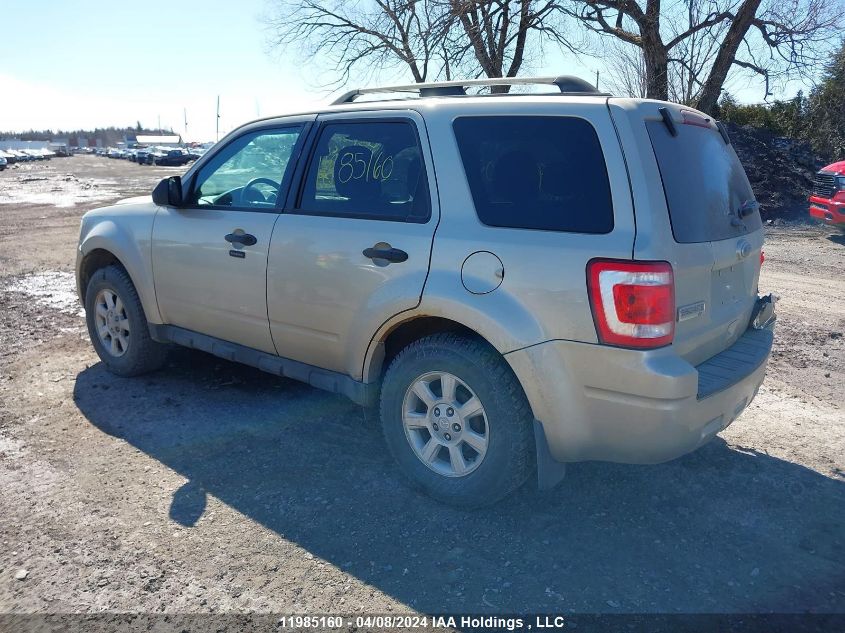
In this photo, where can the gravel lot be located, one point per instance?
(211, 487)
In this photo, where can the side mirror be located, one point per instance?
(168, 192)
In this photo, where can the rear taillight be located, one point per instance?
(762, 257)
(633, 302)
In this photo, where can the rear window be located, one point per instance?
(368, 169)
(544, 173)
(704, 183)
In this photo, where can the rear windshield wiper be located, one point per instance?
(745, 209)
(748, 207)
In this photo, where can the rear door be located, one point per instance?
(714, 223)
(352, 248)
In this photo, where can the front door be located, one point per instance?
(353, 248)
(210, 255)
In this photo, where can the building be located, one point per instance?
(17, 144)
(168, 140)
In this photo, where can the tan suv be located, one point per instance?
(518, 281)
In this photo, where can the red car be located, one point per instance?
(827, 202)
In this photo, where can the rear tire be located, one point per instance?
(117, 325)
(456, 420)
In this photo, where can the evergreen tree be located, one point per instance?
(826, 111)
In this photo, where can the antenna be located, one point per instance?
(185, 113)
(218, 117)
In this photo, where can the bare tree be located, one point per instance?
(625, 70)
(498, 32)
(432, 38)
(691, 57)
(702, 42)
(373, 35)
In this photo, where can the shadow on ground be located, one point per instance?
(722, 530)
(837, 238)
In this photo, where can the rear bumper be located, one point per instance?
(604, 403)
(828, 211)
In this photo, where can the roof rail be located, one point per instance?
(567, 85)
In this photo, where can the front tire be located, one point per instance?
(117, 324)
(456, 420)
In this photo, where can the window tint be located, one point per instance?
(248, 172)
(704, 183)
(536, 173)
(367, 169)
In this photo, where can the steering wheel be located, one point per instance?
(257, 181)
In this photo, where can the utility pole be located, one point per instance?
(218, 117)
(159, 124)
(185, 112)
(597, 80)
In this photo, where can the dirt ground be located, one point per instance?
(211, 487)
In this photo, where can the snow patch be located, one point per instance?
(54, 289)
(59, 191)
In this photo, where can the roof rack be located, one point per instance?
(567, 85)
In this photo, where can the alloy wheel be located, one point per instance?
(445, 424)
(112, 322)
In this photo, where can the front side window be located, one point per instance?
(367, 169)
(248, 172)
(536, 172)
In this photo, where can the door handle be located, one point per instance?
(395, 255)
(241, 238)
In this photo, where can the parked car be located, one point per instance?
(3, 162)
(9, 157)
(173, 158)
(516, 281)
(20, 155)
(827, 200)
(156, 153)
(142, 155)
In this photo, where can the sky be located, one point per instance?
(69, 64)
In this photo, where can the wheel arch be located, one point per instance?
(412, 326)
(93, 261)
(106, 244)
(497, 318)
(402, 333)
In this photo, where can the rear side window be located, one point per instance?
(704, 183)
(371, 170)
(544, 173)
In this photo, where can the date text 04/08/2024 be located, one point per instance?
(424, 622)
